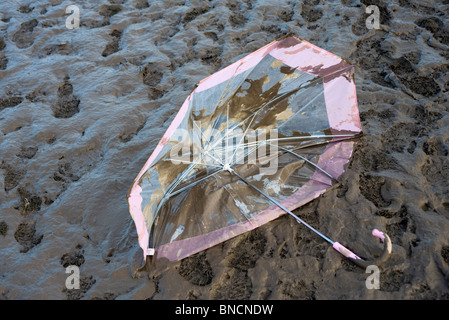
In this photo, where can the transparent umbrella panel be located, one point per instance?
(281, 119)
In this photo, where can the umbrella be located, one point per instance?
(252, 142)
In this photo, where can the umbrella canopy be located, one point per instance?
(251, 142)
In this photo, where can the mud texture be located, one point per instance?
(81, 110)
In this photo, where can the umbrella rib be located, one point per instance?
(195, 183)
(299, 138)
(260, 108)
(253, 116)
(176, 182)
(166, 194)
(278, 97)
(201, 131)
(303, 158)
(298, 219)
(192, 162)
(282, 95)
(215, 158)
(247, 154)
(173, 185)
(243, 136)
(227, 132)
(223, 94)
(169, 193)
(257, 144)
(241, 211)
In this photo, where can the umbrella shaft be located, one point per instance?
(299, 220)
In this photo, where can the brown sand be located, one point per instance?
(81, 111)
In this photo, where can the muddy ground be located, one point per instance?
(82, 109)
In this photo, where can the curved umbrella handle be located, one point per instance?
(365, 263)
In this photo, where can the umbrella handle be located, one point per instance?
(365, 263)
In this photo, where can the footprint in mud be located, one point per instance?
(368, 157)
(307, 244)
(406, 73)
(233, 285)
(152, 77)
(10, 102)
(13, 176)
(309, 11)
(85, 284)
(359, 26)
(3, 228)
(247, 251)
(425, 86)
(435, 168)
(392, 280)
(3, 59)
(113, 46)
(61, 49)
(142, 4)
(371, 188)
(107, 11)
(370, 52)
(196, 269)
(25, 235)
(236, 284)
(25, 8)
(193, 13)
(398, 137)
(3, 62)
(236, 19)
(68, 104)
(299, 290)
(27, 153)
(74, 258)
(433, 146)
(436, 27)
(212, 56)
(287, 15)
(436, 171)
(127, 136)
(211, 35)
(445, 254)
(65, 173)
(424, 115)
(29, 202)
(14, 173)
(422, 291)
(304, 240)
(23, 38)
